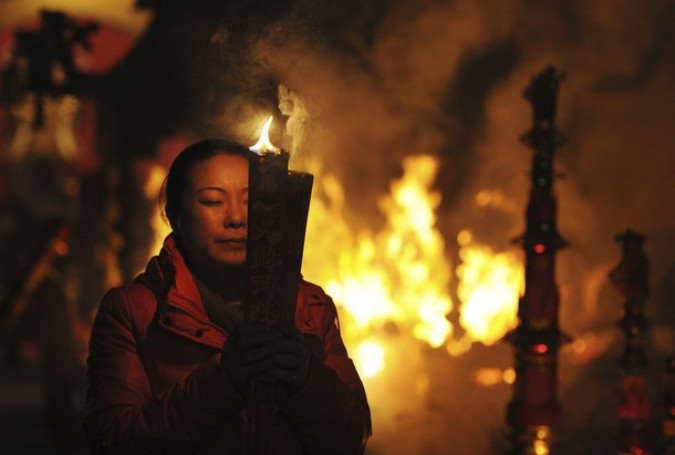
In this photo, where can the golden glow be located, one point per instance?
(509, 376)
(489, 377)
(579, 346)
(464, 237)
(541, 447)
(399, 278)
(589, 345)
(489, 286)
(487, 198)
(152, 187)
(57, 135)
(458, 347)
(369, 358)
(395, 280)
(542, 440)
(399, 275)
(264, 145)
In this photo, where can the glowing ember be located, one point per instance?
(264, 145)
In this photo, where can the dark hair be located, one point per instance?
(176, 180)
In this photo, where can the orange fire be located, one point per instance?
(395, 280)
(398, 279)
(489, 284)
(264, 145)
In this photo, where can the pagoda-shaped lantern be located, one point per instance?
(533, 413)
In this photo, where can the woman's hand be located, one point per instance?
(291, 360)
(259, 352)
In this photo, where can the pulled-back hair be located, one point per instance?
(176, 180)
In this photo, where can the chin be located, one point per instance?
(230, 261)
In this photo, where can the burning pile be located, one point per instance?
(399, 279)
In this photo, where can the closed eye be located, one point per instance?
(210, 202)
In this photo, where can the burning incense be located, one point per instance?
(277, 218)
(267, 220)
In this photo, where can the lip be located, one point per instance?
(234, 241)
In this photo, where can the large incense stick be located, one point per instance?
(266, 246)
(277, 219)
(299, 194)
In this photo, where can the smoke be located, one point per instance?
(367, 83)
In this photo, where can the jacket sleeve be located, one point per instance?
(331, 411)
(124, 416)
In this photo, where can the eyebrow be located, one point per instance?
(216, 188)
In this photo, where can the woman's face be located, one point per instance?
(213, 220)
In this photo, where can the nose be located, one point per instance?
(236, 215)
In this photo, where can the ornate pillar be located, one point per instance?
(533, 413)
(631, 278)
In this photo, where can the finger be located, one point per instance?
(255, 370)
(280, 375)
(255, 339)
(273, 345)
(259, 354)
(272, 357)
(291, 332)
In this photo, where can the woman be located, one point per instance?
(170, 358)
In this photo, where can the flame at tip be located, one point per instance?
(264, 145)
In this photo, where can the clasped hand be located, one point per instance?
(259, 352)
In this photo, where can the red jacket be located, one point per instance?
(156, 386)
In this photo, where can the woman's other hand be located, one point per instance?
(259, 352)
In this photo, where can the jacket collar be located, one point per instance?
(169, 272)
(180, 304)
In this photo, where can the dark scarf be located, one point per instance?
(226, 314)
